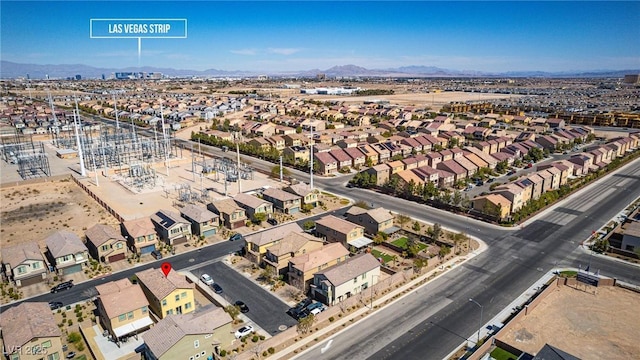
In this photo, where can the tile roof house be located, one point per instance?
(30, 331)
(105, 244)
(302, 267)
(291, 245)
(258, 243)
(231, 214)
(197, 335)
(24, 263)
(493, 205)
(373, 220)
(343, 280)
(140, 234)
(344, 160)
(283, 201)
(168, 295)
(453, 167)
(172, 228)
(309, 196)
(67, 253)
(203, 222)
(514, 193)
(335, 229)
(325, 163)
(253, 205)
(537, 181)
(122, 308)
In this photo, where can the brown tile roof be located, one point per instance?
(272, 234)
(139, 227)
(226, 206)
(313, 259)
(120, 297)
(160, 286)
(300, 189)
(337, 224)
(16, 255)
(280, 194)
(63, 242)
(291, 243)
(249, 200)
(100, 234)
(348, 270)
(170, 330)
(197, 213)
(26, 321)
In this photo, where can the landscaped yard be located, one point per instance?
(402, 243)
(501, 354)
(385, 257)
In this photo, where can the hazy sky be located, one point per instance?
(303, 35)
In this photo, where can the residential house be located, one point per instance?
(556, 176)
(203, 222)
(231, 214)
(433, 159)
(371, 156)
(167, 295)
(298, 154)
(253, 205)
(105, 244)
(537, 181)
(514, 193)
(30, 332)
(341, 281)
(453, 167)
(358, 159)
(24, 264)
(199, 335)
(324, 163)
(469, 166)
(171, 227)
(291, 245)
(140, 234)
(302, 267)
(446, 179)
(309, 196)
(374, 221)
(547, 142)
(257, 243)
(630, 236)
(527, 189)
(492, 204)
(122, 308)
(582, 163)
(547, 180)
(283, 201)
(334, 229)
(67, 253)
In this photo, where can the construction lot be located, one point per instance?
(587, 322)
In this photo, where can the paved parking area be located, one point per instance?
(265, 309)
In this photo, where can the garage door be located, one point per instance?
(31, 280)
(147, 249)
(180, 240)
(117, 257)
(209, 232)
(72, 269)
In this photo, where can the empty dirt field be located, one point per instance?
(604, 325)
(32, 212)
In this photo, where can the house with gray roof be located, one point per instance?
(140, 234)
(309, 196)
(30, 326)
(105, 244)
(373, 220)
(66, 252)
(172, 228)
(232, 215)
(203, 222)
(346, 279)
(24, 264)
(283, 201)
(253, 205)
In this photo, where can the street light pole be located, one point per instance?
(481, 310)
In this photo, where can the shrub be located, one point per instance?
(255, 338)
(69, 322)
(223, 353)
(331, 319)
(74, 337)
(264, 354)
(271, 350)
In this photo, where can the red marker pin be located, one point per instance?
(166, 268)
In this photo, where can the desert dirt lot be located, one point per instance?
(604, 325)
(32, 212)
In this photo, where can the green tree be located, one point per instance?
(418, 264)
(258, 218)
(233, 311)
(444, 251)
(402, 219)
(306, 323)
(456, 200)
(416, 226)
(435, 231)
(309, 224)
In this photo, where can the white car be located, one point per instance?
(244, 331)
(206, 279)
(317, 310)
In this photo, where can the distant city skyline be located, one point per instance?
(302, 35)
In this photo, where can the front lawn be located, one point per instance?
(501, 354)
(402, 243)
(385, 257)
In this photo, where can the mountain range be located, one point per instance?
(11, 70)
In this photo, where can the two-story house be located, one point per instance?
(30, 332)
(309, 196)
(168, 295)
(286, 202)
(253, 205)
(232, 216)
(67, 253)
(373, 220)
(257, 243)
(350, 235)
(122, 308)
(171, 227)
(302, 267)
(203, 222)
(291, 245)
(105, 244)
(24, 264)
(199, 335)
(341, 281)
(140, 234)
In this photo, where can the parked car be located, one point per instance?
(62, 286)
(272, 221)
(206, 279)
(299, 313)
(491, 180)
(55, 305)
(317, 311)
(236, 237)
(243, 307)
(71, 355)
(314, 306)
(156, 254)
(217, 288)
(244, 331)
(511, 172)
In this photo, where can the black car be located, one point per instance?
(55, 305)
(236, 237)
(299, 313)
(216, 288)
(273, 222)
(156, 254)
(243, 307)
(299, 309)
(62, 286)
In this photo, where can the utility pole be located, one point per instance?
(311, 162)
(76, 123)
